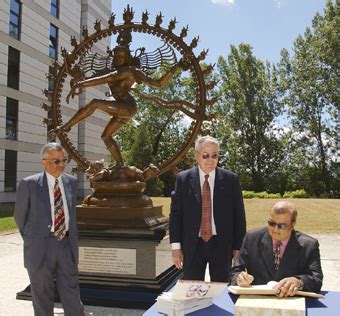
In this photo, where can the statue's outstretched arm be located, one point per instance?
(157, 83)
(141, 77)
(90, 82)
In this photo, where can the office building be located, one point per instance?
(32, 33)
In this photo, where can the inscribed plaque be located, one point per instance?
(107, 260)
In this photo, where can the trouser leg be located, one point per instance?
(195, 270)
(219, 262)
(42, 290)
(67, 280)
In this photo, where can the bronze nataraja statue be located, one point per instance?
(120, 71)
(124, 72)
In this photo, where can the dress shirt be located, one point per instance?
(51, 182)
(282, 247)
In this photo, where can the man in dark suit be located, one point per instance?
(207, 219)
(45, 215)
(279, 253)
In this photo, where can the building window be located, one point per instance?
(13, 68)
(10, 170)
(14, 19)
(11, 118)
(53, 49)
(55, 8)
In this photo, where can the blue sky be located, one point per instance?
(267, 25)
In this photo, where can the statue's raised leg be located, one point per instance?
(80, 115)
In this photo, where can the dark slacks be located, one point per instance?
(208, 252)
(58, 264)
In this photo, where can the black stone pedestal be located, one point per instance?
(122, 287)
(108, 280)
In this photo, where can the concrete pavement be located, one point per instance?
(13, 276)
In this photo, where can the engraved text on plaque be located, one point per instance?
(107, 260)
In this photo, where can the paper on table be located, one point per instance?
(266, 289)
(165, 304)
(187, 289)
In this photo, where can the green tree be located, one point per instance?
(140, 156)
(309, 80)
(248, 108)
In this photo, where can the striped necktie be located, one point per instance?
(206, 229)
(277, 258)
(59, 215)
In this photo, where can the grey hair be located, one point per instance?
(284, 207)
(206, 139)
(50, 147)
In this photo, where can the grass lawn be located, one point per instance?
(314, 215)
(7, 224)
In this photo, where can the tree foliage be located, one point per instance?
(254, 98)
(309, 80)
(248, 108)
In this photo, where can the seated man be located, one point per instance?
(279, 253)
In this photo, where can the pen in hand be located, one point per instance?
(244, 279)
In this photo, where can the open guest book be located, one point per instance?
(266, 289)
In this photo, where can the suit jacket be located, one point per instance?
(186, 212)
(32, 214)
(300, 259)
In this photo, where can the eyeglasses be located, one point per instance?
(207, 156)
(57, 162)
(271, 223)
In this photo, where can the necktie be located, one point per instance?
(206, 230)
(59, 215)
(277, 258)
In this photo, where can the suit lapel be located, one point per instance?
(195, 185)
(291, 253)
(44, 192)
(218, 187)
(67, 191)
(267, 253)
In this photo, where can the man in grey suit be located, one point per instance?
(207, 219)
(45, 215)
(279, 253)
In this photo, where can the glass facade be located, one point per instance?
(14, 19)
(11, 118)
(55, 8)
(10, 170)
(13, 68)
(53, 48)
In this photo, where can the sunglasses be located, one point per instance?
(207, 156)
(57, 162)
(271, 223)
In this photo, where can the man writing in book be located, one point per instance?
(279, 253)
(207, 219)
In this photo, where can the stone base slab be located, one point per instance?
(261, 305)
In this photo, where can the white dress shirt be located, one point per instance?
(51, 182)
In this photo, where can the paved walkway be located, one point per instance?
(13, 276)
